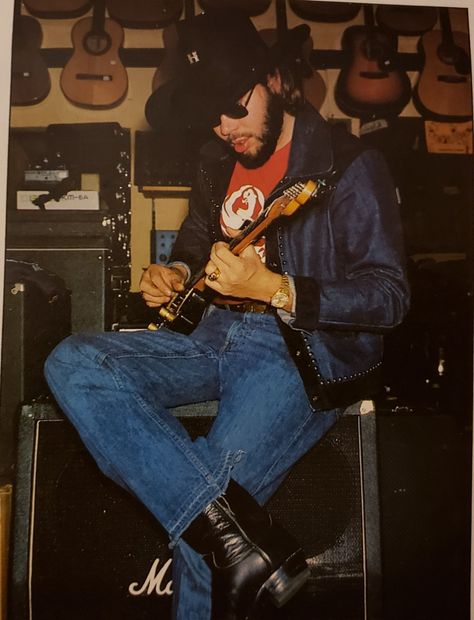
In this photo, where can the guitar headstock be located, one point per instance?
(301, 192)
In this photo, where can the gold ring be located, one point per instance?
(214, 275)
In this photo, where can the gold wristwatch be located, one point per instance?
(282, 295)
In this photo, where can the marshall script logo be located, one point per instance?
(154, 582)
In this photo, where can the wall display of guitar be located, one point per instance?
(144, 13)
(184, 311)
(406, 20)
(314, 86)
(315, 10)
(30, 81)
(57, 9)
(371, 83)
(94, 76)
(250, 7)
(443, 91)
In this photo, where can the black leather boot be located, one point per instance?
(253, 560)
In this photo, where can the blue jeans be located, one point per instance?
(116, 389)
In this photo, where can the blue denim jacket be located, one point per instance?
(344, 251)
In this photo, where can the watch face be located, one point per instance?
(279, 300)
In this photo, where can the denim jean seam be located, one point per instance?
(298, 432)
(218, 486)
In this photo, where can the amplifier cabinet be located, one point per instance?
(33, 324)
(86, 272)
(83, 547)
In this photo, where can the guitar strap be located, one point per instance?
(322, 394)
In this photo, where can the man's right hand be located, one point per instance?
(158, 284)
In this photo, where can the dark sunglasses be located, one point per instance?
(236, 110)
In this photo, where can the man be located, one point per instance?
(291, 337)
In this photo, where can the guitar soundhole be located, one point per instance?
(97, 43)
(455, 56)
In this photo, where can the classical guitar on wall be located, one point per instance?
(371, 83)
(57, 9)
(30, 81)
(443, 91)
(144, 13)
(94, 76)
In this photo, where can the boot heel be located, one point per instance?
(285, 582)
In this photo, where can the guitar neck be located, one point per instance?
(251, 233)
(446, 30)
(369, 17)
(98, 17)
(281, 19)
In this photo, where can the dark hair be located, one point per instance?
(291, 72)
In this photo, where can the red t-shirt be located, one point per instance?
(248, 188)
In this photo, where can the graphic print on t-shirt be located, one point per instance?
(246, 194)
(240, 208)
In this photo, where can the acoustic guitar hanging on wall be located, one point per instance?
(30, 81)
(443, 91)
(371, 83)
(94, 76)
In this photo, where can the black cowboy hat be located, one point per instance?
(219, 56)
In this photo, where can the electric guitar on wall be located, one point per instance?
(144, 13)
(57, 9)
(30, 81)
(443, 91)
(94, 76)
(371, 84)
(184, 311)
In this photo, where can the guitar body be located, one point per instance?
(443, 91)
(57, 9)
(249, 7)
(94, 76)
(144, 13)
(30, 81)
(325, 11)
(406, 20)
(371, 84)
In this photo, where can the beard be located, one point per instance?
(268, 138)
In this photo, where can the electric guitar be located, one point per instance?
(30, 81)
(443, 91)
(371, 83)
(184, 311)
(94, 76)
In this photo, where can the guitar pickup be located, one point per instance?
(94, 76)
